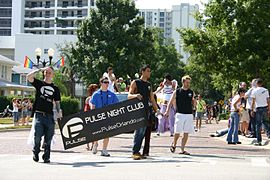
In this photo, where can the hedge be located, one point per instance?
(69, 105)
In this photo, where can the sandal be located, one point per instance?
(172, 149)
(185, 153)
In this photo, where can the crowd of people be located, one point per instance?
(175, 111)
(22, 111)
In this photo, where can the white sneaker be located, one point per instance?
(105, 153)
(95, 146)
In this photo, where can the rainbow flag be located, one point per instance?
(60, 63)
(28, 63)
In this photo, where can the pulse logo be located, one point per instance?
(73, 128)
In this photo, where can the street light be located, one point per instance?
(38, 53)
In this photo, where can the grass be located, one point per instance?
(8, 120)
(15, 127)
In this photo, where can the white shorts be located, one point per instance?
(183, 123)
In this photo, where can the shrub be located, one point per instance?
(69, 105)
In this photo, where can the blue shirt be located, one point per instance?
(103, 98)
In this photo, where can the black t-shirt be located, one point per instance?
(144, 89)
(184, 101)
(45, 95)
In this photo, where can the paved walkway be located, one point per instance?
(211, 158)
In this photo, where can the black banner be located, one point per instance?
(82, 128)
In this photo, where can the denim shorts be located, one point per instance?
(16, 116)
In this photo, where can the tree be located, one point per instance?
(234, 43)
(112, 35)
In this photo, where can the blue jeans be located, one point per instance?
(261, 119)
(138, 139)
(234, 126)
(252, 123)
(44, 126)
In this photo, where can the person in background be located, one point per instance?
(201, 105)
(260, 100)
(29, 110)
(232, 137)
(167, 87)
(19, 104)
(252, 124)
(112, 79)
(121, 85)
(24, 111)
(90, 91)
(215, 112)
(102, 98)
(15, 112)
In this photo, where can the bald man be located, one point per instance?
(46, 94)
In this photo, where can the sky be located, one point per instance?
(164, 4)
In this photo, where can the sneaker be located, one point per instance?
(47, 161)
(231, 143)
(94, 150)
(258, 144)
(35, 158)
(171, 135)
(158, 134)
(105, 153)
(137, 156)
(239, 142)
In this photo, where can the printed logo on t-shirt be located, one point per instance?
(47, 91)
(190, 95)
(149, 88)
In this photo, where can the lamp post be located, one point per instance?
(38, 53)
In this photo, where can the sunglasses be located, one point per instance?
(105, 82)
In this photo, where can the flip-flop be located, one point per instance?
(185, 153)
(172, 149)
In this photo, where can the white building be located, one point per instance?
(180, 16)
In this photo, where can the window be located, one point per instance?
(5, 23)
(5, 32)
(79, 13)
(65, 4)
(5, 12)
(4, 72)
(47, 24)
(161, 25)
(161, 14)
(79, 3)
(64, 32)
(64, 14)
(47, 14)
(47, 32)
(5, 3)
(92, 2)
(48, 4)
(23, 80)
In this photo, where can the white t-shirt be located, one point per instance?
(15, 108)
(235, 98)
(111, 83)
(261, 95)
(249, 98)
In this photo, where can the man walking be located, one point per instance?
(46, 94)
(252, 124)
(101, 98)
(261, 101)
(141, 89)
(184, 100)
(200, 107)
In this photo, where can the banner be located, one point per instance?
(82, 128)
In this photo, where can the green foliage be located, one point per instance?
(234, 43)
(69, 105)
(114, 35)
